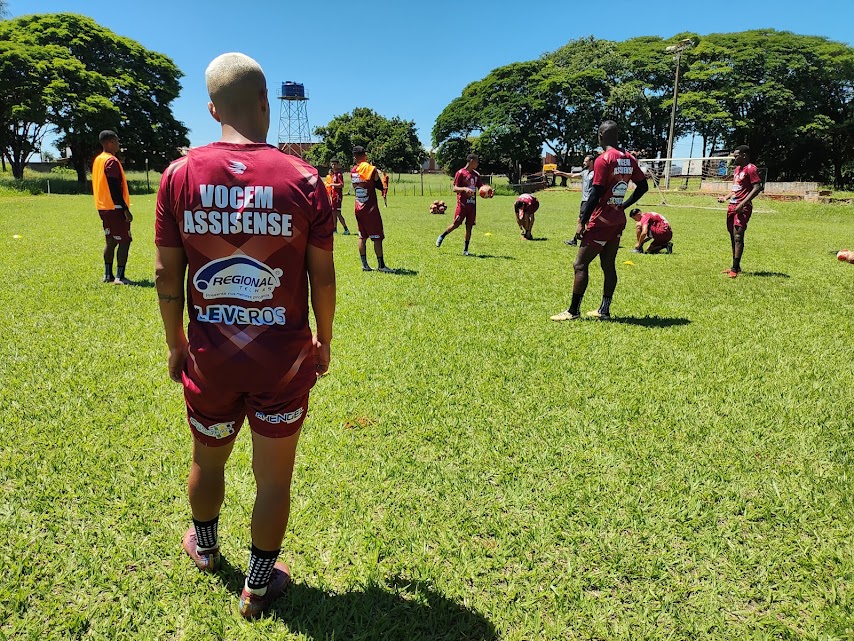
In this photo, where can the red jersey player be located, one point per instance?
(366, 182)
(251, 228)
(466, 183)
(651, 226)
(525, 207)
(335, 189)
(746, 185)
(604, 218)
(110, 188)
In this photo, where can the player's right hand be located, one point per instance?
(177, 360)
(322, 356)
(128, 216)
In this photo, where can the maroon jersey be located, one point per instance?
(658, 224)
(362, 177)
(528, 203)
(742, 183)
(613, 170)
(245, 215)
(470, 179)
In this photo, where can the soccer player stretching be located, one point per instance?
(335, 189)
(110, 188)
(466, 183)
(746, 185)
(651, 226)
(366, 182)
(251, 228)
(603, 220)
(525, 207)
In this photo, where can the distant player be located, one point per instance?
(525, 206)
(112, 199)
(335, 189)
(251, 228)
(366, 183)
(466, 183)
(746, 185)
(586, 176)
(385, 181)
(604, 219)
(650, 226)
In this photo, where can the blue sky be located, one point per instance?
(407, 59)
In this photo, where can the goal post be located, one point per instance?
(687, 169)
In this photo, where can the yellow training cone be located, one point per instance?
(16, 236)
(488, 234)
(628, 262)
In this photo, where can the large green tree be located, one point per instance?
(101, 80)
(391, 143)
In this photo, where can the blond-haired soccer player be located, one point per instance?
(110, 188)
(246, 231)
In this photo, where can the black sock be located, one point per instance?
(605, 307)
(380, 262)
(261, 564)
(575, 305)
(108, 271)
(207, 535)
(364, 260)
(466, 247)
(120, 271)
(736, 264)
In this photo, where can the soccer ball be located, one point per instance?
(486, 191)
(845, 255)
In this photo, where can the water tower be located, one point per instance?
(294, 133)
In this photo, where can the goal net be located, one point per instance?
(686, 173)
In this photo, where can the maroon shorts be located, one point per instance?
(660, 238)
(370, 225)
(466, 215)
(115, 225)
(216, 414)
(739, 219)
(602, 234)
(336, 200)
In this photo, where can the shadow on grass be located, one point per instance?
(651, 321)
(766, 274)
(537, 240)
(402, 271)
(404, 609)
(142, 283)
(490, 256)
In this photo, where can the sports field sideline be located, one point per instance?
(468, 469)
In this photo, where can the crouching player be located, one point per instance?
(525, 206)
(251, 353)
(651, 226)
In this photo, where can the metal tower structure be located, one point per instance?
(294, 132)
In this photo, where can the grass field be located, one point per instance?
(469, 469)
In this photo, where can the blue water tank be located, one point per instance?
(293, 90)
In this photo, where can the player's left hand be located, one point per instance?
(128, 216)
(322, 356)
(177, 360)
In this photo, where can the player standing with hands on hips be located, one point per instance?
(251, 228)
(604, 219)
(746, 185)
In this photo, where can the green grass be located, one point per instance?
(468, 469)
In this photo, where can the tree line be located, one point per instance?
(790, 97)
(66, 72)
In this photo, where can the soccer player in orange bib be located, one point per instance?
(604, 219)
(366, 182)
(249, 229)
(112, 199)
(335, 189)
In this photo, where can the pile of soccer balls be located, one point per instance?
(438, 207)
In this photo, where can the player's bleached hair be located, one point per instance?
(233, 81)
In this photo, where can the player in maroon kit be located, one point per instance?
(251, 228)
(746, 185)
(525, 207)
(366, 182)
(603, 220)
(335, 189)
(651, 226)
(466, 183)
